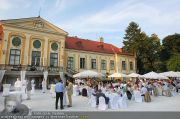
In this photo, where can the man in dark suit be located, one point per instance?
(100, 94)
(59, 89)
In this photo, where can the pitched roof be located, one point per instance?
(76, 43)
(17, 22)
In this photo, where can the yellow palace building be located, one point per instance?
(35, 45)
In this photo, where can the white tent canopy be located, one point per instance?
(117, 75)
(154, 75)
(134, 75)
(88, 73)
(171, 74)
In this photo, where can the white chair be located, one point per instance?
(102, 104)
(89, 92)
(137, 96)
(75, 90)
(125, 96)
(133, 97)
(6, 89)
(24, 93)
(52, 91)
(173, 91)
(113, 98)
(122, 102)
(178, 90)
(114, 103)
(92, 101)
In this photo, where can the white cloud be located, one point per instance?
(60, 6)
(5, 5)
(116, 18)
(160, 17)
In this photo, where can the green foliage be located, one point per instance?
(146, 48)
(173, 64)
(132, 37)
(150, 54)
(169, 54)
(172, 43)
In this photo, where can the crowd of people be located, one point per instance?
(146, 88)
(89, 87)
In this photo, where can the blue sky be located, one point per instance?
(91, 19)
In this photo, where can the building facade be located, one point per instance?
(35, 45)
(84, 54)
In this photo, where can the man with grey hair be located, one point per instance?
(13, 107)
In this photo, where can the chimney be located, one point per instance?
(101, 39)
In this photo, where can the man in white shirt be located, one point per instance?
(143, 90)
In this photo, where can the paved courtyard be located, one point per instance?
(44, 102)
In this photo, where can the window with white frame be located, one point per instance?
(54, 59)
(93, 63)
(123, 65)
(70, 62)
(36, 56)
(82, 63)
(14, 58)
(103, 64)
(112, 64)
(131, 65)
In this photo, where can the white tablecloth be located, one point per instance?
(114, 99)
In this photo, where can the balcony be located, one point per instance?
(55, 69)
(31, 70)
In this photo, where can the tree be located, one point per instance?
(170, 51)
(173, 64)
(131, 37)
(132, 42)
(172, 43)
(146, 48)
(151, 52)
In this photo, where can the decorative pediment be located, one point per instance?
(34, 23)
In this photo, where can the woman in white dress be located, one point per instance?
(43, 86)
(33, 86)
(137, 94)
(18, 85)
(65, 95)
